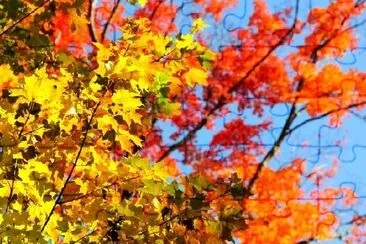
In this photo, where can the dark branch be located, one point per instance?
(14, 167)
(59, 197)
(292, 116)
(114, 10)
(271, 153)
(222, 101)
(23, 18)
(91, 20)
(325, 115)
(94, 192)
(164, 222)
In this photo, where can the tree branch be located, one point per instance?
(325, 115)
(222, 101)
(91, 193)
(114, 10)
(59, 196)
(164, 222)
(291, 117)
(91, 17)
(14, 166)
(284, 132)
(287, 131)
(23, 18)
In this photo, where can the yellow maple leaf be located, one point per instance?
(195, 76)
(8, 79)
(128, 102)
(125, 138)
(17, 206)
(126, 98)
(94, 86)
(198, 25)
(142, 2)
(83, 185)
(187, 42)
(41, 89)
(4, 191)
(103, 55)
(79, 21)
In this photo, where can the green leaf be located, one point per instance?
(199, 182)
(151, 186)
(168, 108)
(198, 202)
(238, 191)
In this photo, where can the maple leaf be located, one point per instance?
(198, 25)
(8, 79)
(195, 76)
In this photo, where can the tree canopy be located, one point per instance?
(88, 88)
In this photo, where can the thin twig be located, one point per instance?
(58, 199)
(23, 18)
(164, 222)
(91, 193)
(10, 197)
(325, 115)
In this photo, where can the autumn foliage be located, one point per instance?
(90, 91)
